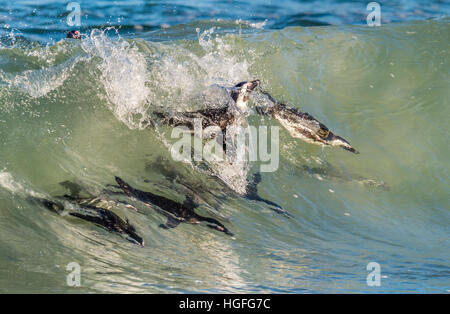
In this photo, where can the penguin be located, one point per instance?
(90, 209)
(74, 34)
(303, 125)
(222, 117)
(175, 212)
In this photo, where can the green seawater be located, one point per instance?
(75, 110)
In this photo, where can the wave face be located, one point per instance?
(79, 110)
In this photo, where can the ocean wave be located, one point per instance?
(80, 111)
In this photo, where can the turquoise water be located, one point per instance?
(74, 110)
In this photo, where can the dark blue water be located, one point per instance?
(44, 20)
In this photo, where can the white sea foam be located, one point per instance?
(39, 82)
(179, 76)
(8, 183)
(123, 75)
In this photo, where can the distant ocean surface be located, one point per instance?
(74, 110)
(44, 20)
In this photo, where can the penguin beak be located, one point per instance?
(339, 141)
(252, 85)
(238, 89)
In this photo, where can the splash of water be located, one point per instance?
(123, 71)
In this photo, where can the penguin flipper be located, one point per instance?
(221, 229)
(278, 209)
(272, 205)
(215, 224)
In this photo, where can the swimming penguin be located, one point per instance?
(74, 34)
(221, 117)
(214, 188)
(302, 125)
(175, 212)
(89, 209)
(330, 172)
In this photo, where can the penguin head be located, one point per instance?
(74, 35)
(335, 140)
(242, 90)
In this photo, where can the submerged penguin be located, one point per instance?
(175, 212)
(302, 125)
(214, 188)
(90, 209)
(330, 172)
